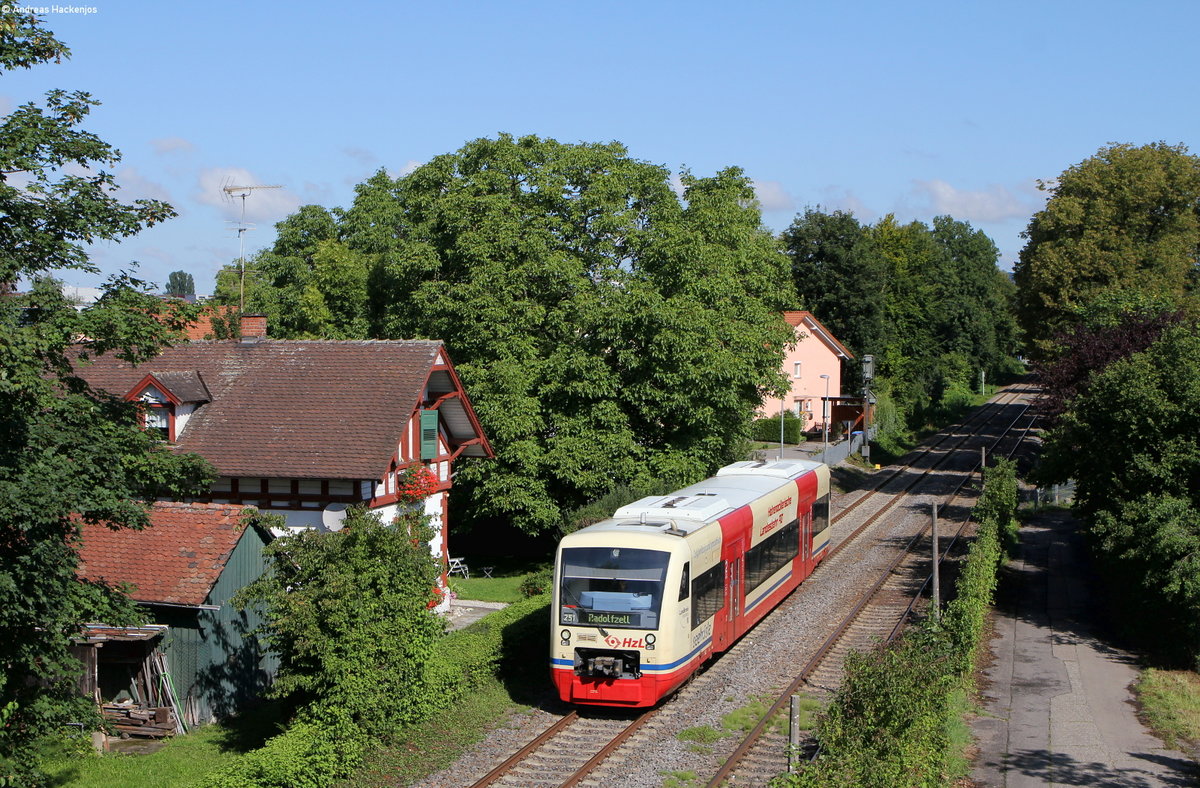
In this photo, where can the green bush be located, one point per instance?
(999, 500)
(538, 583)
(890, 723)
(348, 615)
(767, 430)
(309, 754)
(513, 637)
(325, 743)
(966, 614)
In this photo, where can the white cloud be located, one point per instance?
(409, 167)
(134, 186)
(262, 204)
(838, 198)
(773, 197)
(993, 204)
(6, 105)
(172, 145)
(676, 182)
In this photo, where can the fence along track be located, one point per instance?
(880, 614)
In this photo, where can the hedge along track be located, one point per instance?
(880, 615)
(572, 748)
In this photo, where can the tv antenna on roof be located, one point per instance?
(232, 191)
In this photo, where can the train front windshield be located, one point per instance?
(610, 586)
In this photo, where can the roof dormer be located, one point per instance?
(167, 398)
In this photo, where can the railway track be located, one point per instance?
(581, 749)
(560, 756)
(879, 615)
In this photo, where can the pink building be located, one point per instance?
(814, 367)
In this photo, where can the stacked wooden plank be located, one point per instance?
(137, 720)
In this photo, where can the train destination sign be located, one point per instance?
(604, 618)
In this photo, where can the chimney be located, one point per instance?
(253, 328)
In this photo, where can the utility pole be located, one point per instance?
(243, 192)
(937, 584)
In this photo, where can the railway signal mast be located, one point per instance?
(242, 227)
(868, 376)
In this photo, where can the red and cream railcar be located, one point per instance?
(642, 599)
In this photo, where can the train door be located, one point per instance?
(806, 543)
(734, 587)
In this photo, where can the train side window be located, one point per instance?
(685, 582)
(821, 514)
(772, 554)
(708, 594)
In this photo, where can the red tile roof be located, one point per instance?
(176, 560)
(293, 409)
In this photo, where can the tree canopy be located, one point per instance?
(838, 276)
(180, 283)
(67, 454)
(928, 302)
(608, 331)
(1130, 441)
(1127, 218)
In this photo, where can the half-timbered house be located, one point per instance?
(303, 429)
(306, 429)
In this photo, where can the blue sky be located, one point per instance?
(916, 109)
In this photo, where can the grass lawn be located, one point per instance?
(1170, 705)
(499, 588)
(180, 762)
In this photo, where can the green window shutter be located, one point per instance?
(429, 434)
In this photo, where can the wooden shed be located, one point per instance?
(185, 569)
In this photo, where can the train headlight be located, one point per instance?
(650, 640)
(565, 636)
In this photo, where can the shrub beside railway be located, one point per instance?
(891, 721)
(327, 741)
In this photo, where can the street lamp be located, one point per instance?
(782, 404)
(825, 416)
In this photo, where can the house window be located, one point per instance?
(158, 420)
(796, 369)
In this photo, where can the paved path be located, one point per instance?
(1059, 710)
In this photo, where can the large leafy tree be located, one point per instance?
(838, 276)
(946, 304)
(607, 331)
(1130, 441)
(1127, 218)
(1112, 327)
(929, 303)
(67, 454)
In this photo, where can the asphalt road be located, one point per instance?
(1059, 710)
